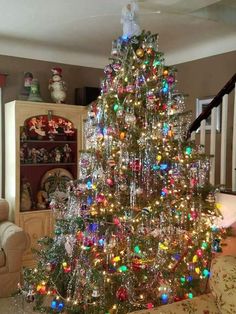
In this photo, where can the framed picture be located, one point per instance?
(201, 104)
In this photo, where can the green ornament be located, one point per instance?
(182, 279)
(137, 249)
(188, 150)
(116, 107)
(204, 245)
(206, 273)
(190, 295)
(80, 223)
(58, 231)
(123, 268)
(156, 62)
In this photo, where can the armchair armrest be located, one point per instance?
(14, 242)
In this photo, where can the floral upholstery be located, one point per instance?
(223, 283)
(221, 300)
(204, 304)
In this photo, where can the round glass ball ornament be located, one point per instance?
(140, 52)
(130, 118)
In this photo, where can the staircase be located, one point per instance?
(221, 147)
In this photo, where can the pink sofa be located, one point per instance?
(13, 242)
(221, 299)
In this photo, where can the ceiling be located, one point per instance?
(80, 32)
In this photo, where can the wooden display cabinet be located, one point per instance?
(42, 145)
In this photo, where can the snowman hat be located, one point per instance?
(56, 71)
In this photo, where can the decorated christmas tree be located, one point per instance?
(137, 228)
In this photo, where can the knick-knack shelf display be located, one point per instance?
(43, 142)
(47, 142)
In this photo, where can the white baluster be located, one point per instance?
(234, 146)
(193, 136)
(203, 135)
(213, 145)
(223, 140)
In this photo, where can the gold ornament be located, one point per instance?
(140, 52)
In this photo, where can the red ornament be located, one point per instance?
(136, 165)
(122, 294)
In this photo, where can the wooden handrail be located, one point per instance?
(216, 101)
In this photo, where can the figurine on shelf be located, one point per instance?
(69, 128)
(22, 155)
(34, 154)
(26, 195)
(23, 135)
(36, 127)
(67, 153)
(57, 86)
(35, 91)
(42, 200)
(57, 155)
(24, 94)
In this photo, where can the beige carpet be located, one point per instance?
(15, 305)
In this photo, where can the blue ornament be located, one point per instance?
(89, 200)
(177, 256)
(89, 184)
(60, 306)
(54, 304)
(93, 227)
(190, 278)
(101, 242)
(164, 298)
(125, 38)
(163, 166)
(155, 167)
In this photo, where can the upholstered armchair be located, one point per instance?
(221, 299)
(13, 242)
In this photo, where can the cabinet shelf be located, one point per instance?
(49, 164)
(48, 141)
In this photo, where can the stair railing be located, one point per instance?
(210, 110)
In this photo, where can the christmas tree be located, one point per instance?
(137, 229)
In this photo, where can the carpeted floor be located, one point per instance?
(15, 305)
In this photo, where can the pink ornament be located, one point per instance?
(116, 221)
(150, 306)
(100, 198)
(199, 253)
(130, 88)
(170, 79)
(110, 182)
(194, 214)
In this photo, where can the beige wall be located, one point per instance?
(198, 79)
(74, 76)
(205, 77)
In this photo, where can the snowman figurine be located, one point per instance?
(57, 86)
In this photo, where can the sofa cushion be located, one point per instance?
(4, 210)
(2, 258)
(223, 283)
